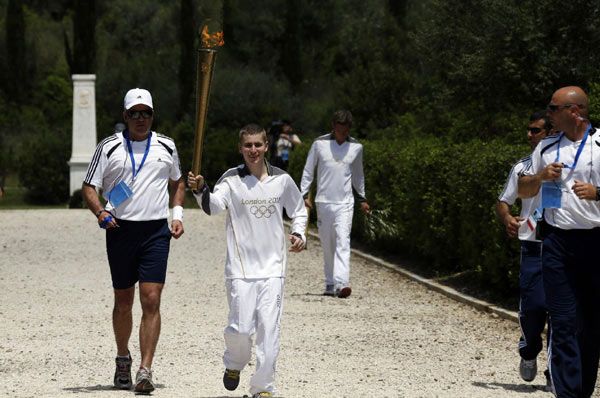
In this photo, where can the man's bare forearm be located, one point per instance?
(502, 211)
(177, 192)
(90, 196)
(529, 186)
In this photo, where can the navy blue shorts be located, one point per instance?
(138, 251)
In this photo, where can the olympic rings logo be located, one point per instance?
(262, 211)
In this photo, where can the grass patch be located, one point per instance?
(13, 198)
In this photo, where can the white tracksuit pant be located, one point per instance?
(335, 224)
(255, 306)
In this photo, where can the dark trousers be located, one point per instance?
(532, 305)
(571, 269)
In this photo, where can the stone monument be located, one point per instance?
(84, 128)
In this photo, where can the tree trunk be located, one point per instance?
(290, 51)
(84, 37)
(17, 82)
(187, 75)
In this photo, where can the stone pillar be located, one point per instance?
(84, 128)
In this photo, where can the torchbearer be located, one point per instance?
(254, 195)
(339, 160)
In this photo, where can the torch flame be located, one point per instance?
(215, 40)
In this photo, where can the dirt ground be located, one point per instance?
(391, 338)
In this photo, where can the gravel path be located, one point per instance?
(391, 338)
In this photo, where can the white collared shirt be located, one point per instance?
(340, 168)
(574, 213)
(111, 164)
(256, 239)
(510, 194)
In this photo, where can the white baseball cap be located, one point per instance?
(137, 96)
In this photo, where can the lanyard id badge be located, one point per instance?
(534, 217)
(551, 194)
(119, 194)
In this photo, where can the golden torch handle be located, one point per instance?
(204, 71)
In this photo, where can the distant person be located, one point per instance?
(283, 141)
(532, 304)
(254, 195)
(134, 168)
(564, 167)
(338, 158)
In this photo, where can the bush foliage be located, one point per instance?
(439, 90)
(435, 200)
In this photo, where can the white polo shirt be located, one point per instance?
(340, 169)
(256, 239)
(510, 194)
(111, 164)
(574, 213)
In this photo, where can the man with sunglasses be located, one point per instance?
(532, 301)
(134, 168)
(565, 168)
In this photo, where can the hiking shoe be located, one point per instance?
(329, 291)
(528, 369)
(262, 395)
(231, 379)
(143, 381)
(122, 378)
(343, 291)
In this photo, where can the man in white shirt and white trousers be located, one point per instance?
(254, 195)
(338, 158)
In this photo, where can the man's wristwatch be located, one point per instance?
(100, 212)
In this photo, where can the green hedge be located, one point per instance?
(435, 200)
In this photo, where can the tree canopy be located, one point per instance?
(457, 69)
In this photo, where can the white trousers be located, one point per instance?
(255, 307)
(335, 224)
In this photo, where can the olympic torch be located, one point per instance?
(204, 72)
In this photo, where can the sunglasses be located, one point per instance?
(535, 130)
(147, 114)
(554, 108)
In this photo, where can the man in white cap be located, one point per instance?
(134, 168)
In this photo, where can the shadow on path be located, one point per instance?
(522, 388)
(99, 387)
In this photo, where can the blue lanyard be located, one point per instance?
(131, 154)
(578, 150)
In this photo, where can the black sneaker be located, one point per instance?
(528, 369)
(122, 378)
(329, 291)
(231, 379)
